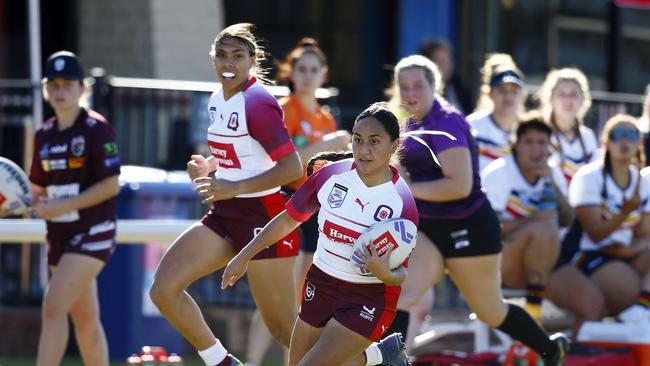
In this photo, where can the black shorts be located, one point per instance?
(309, 234)
(590, 261)
(477, 234)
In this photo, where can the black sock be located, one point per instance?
(520, 326)
(400, 323)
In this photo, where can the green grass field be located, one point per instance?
(4, 361)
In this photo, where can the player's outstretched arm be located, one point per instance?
(274, 231)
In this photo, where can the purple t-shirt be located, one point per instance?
(417, 159)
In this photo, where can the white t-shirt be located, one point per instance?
(573, 157)
(586, 189)
(509, 192)
(346, 207)
(493, 142)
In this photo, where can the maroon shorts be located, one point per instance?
(98, 241)
(239, 219)
(366, 309)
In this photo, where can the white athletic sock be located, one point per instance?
(214, 354)
(373, 355)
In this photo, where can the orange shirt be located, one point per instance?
(305, 127)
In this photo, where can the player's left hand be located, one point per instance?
(215, 189)
(378, 266)
(49, 209)
(235, 269)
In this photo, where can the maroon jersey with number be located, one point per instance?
(68, 162)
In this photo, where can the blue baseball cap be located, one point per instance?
(504, 77)
(63, 64)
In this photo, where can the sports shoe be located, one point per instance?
(563, 344)
(393, 351)
(233, 361)
(635, 314)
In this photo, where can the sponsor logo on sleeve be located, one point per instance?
(78, 145)
(110, 148)
(90, 122)
(337, 195)
(383, 212)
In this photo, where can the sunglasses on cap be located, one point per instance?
(629, 134)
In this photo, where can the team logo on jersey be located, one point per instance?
(90, 122)
(212, 111)
(383, 212)
(78, 145)
(337, 195)
(233, 121)
(339, 234)
(310, 291)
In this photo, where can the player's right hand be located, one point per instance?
(198, 166)
(235, 269)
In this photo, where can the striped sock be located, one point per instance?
(534, 296)
(644, 299)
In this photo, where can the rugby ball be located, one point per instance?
(15, 188)
(398, 233)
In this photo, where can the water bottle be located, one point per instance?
(548, 198)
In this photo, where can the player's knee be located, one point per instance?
(492, 317)
(160, 294)
(281, 332)
(52, 307)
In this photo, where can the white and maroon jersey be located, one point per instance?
(588, 189)
(573, 157)
(346, 207)
(68, 162)
(493, 141)
(247, 134)
(509, 192)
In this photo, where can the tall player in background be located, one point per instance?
(74, 174)
(253, 156)
(564, 102)
(312, 129)
(493, 125)
(343, 312)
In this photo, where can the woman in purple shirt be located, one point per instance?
(459, 230)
